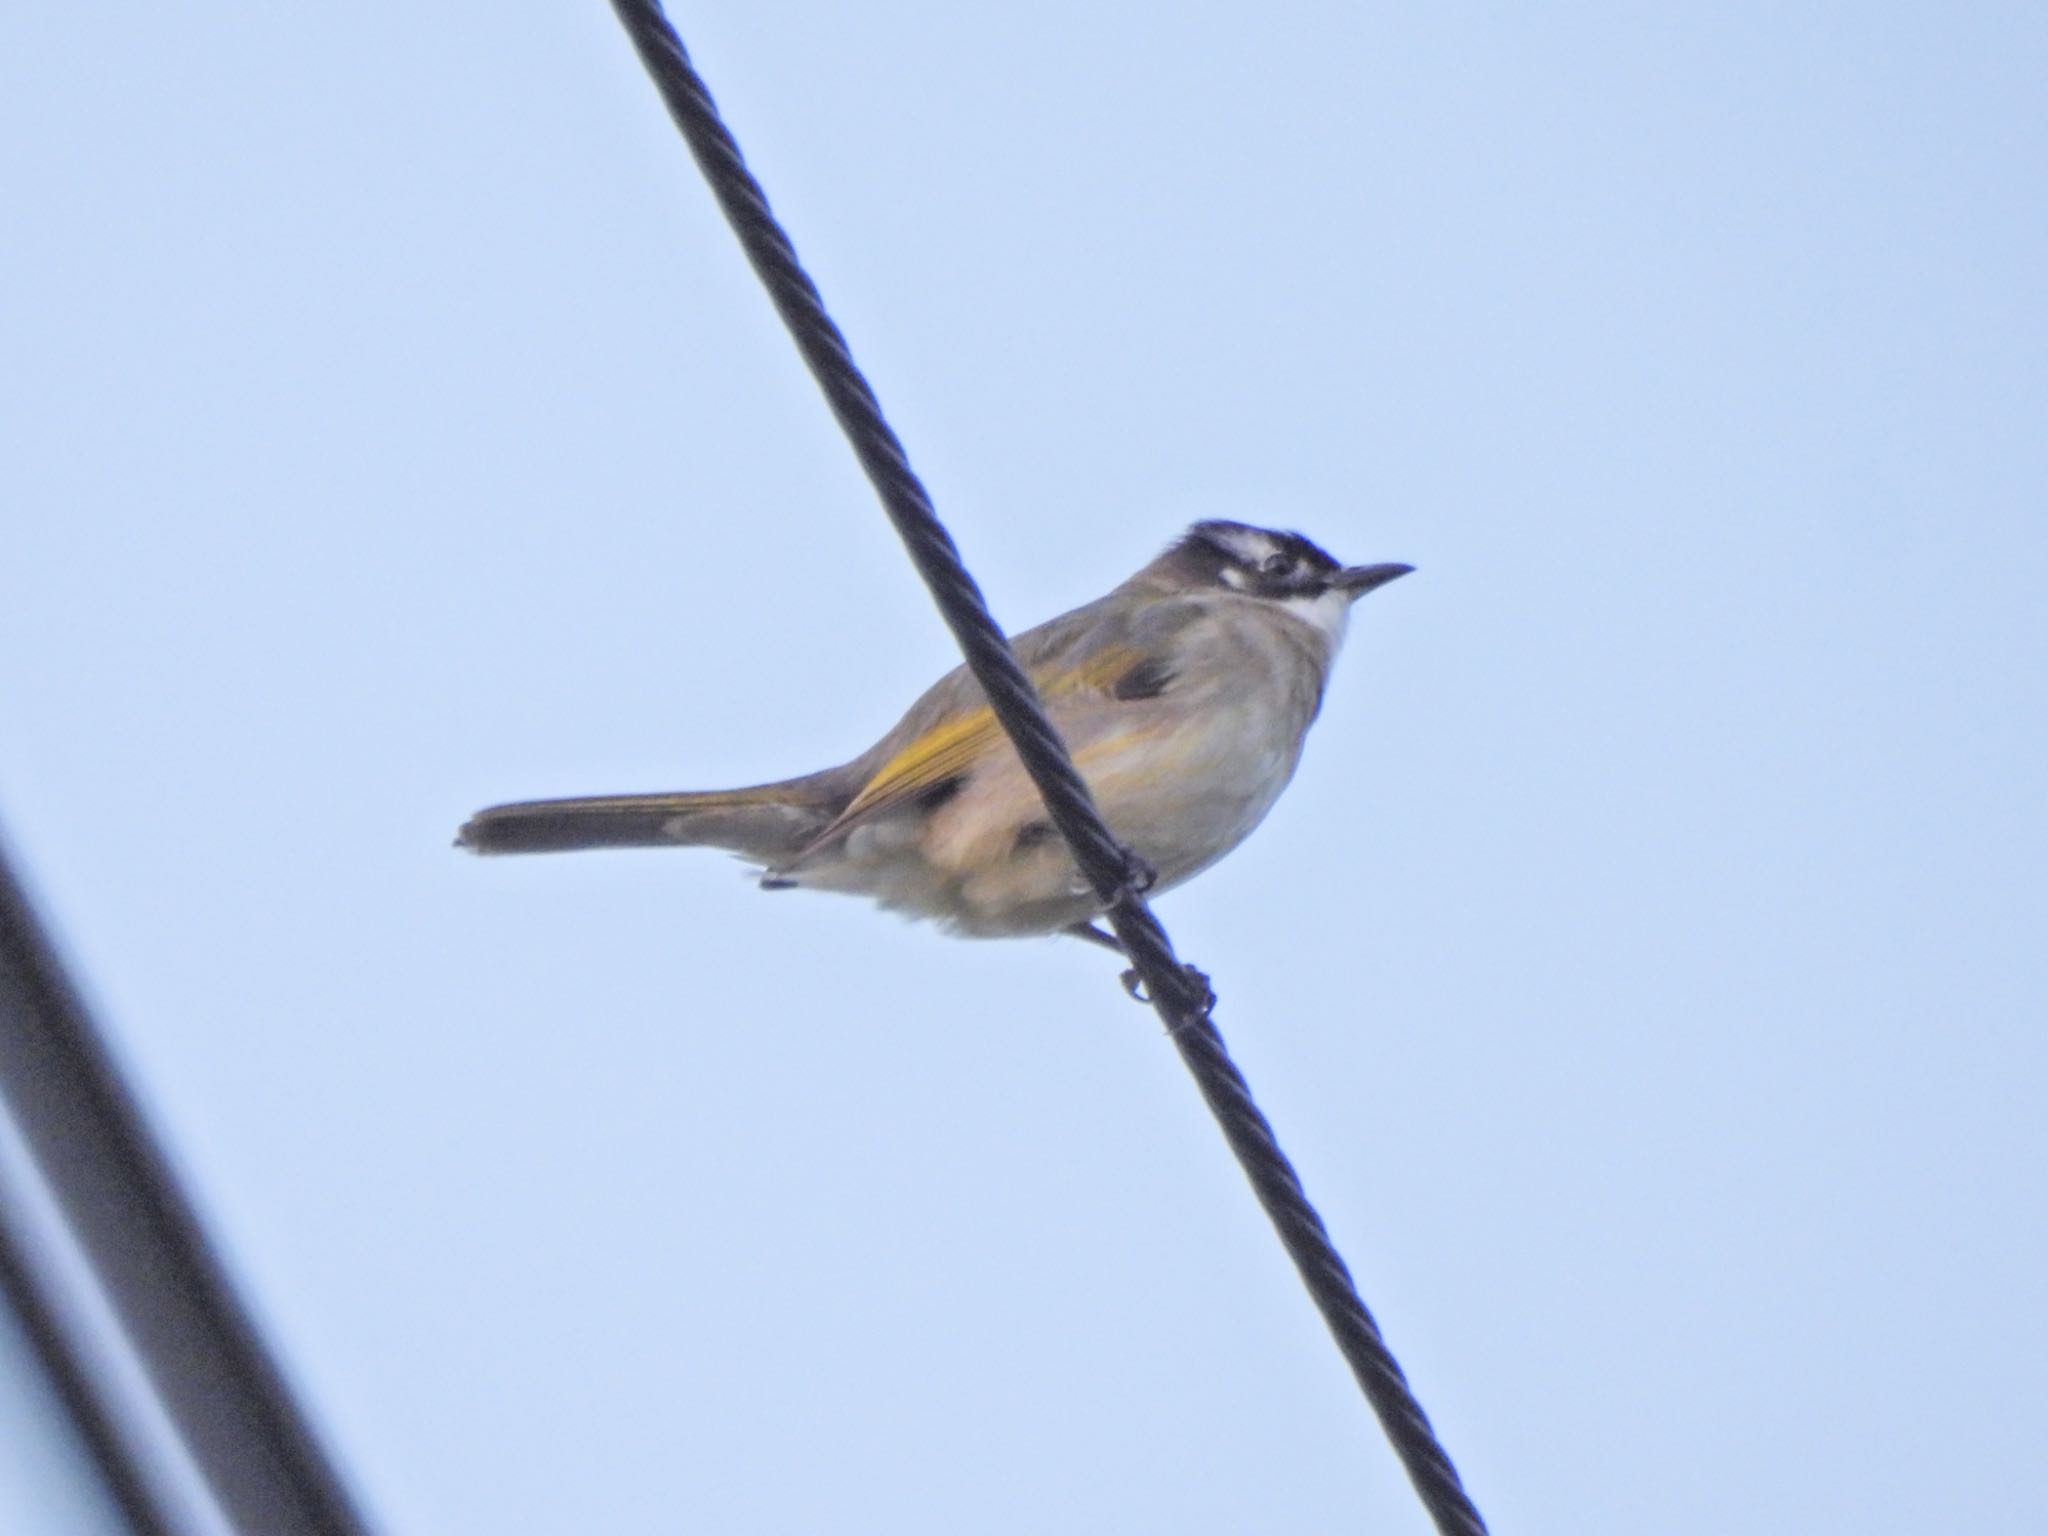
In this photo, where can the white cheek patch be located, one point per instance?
(1233, 578)
(1327, 612)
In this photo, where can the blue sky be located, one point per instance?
(1645, 970)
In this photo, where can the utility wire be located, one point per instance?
(1179, 993)
(199, 1348)
(109, 1439)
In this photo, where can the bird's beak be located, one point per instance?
(1361, 579)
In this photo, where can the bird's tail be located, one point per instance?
(768, 823)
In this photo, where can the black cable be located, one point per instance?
(25, 1284)
(201, 1351)
(1180, 994)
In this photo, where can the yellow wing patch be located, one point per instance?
(946, 749)
(954, 745)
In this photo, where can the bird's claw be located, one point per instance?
(1198, 983)
(1139, 875)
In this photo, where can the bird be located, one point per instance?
(1185, 695)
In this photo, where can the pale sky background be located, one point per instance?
(1647, 970)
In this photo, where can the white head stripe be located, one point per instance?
(1250, 545)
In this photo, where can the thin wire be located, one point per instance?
(1179, 993)
(198, 1345)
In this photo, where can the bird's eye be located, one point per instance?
(1277, 565)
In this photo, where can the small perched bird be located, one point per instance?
(1184, 696)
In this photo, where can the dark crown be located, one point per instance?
(1263, 562)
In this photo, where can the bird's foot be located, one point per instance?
(1139, 875)
(1202, 996)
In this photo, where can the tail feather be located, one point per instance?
(767, 824)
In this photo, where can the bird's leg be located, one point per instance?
(1095, 935)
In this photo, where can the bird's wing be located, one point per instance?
(1106, 651)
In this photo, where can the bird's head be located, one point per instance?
(1266, 564)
